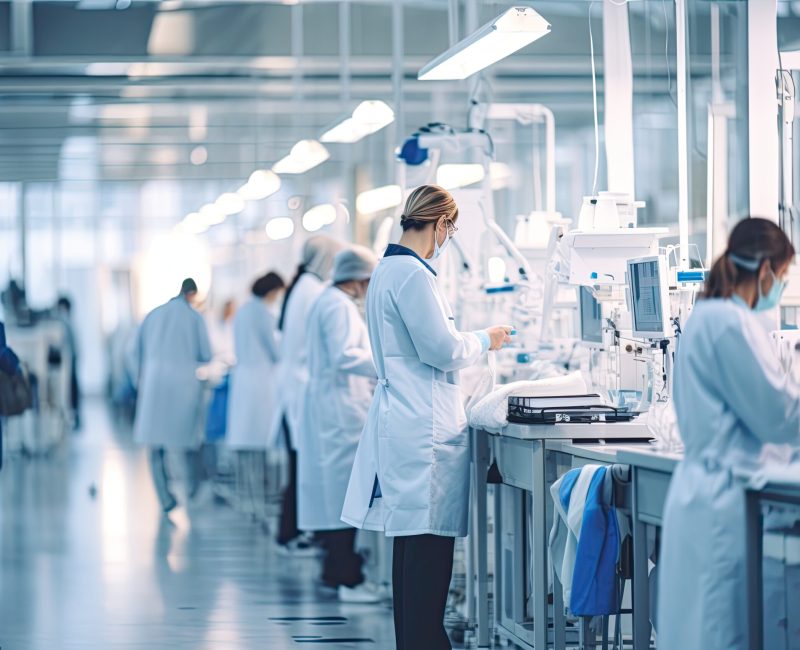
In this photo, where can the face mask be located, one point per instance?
(773, 297)
(438, 250)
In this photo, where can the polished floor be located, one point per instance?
(87, 561)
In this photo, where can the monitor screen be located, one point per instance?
(591, 317)
(645, 281)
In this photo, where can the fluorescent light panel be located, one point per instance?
(304, 155)
(452, 176)
(261, 184)
(506, 34)
(380, 198)
(319, 216)
(369, 117)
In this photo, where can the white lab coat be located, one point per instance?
(171, 343)
(338, 395)
(731, 397)
(292, 375)
(415, 442)
(251, 401)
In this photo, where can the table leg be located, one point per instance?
(481, 457)
(754, 539)
(539, 550)
(559, 619)
(641, 589)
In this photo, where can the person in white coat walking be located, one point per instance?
(732, 397)
(309, 282)
(341, 382)
(411, 473)
(171, 343)
(252, 390)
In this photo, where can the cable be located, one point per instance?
(594, 103)
(666, 52)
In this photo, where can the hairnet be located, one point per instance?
(318, 254)
(354, 263)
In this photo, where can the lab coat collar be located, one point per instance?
(397, 249)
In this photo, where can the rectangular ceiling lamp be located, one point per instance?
(305, 155)
(369, 117)
(509, 32)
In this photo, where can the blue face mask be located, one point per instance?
(773, 297)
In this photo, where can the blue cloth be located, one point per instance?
(397, 249)
(216, 421)
(595, 585)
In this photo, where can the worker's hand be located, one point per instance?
(499, 335)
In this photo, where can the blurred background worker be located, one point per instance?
(252, 393)
(341, 382)
(308, 284)
(64, 310)
(171, 344)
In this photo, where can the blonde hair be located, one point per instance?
(427, 204)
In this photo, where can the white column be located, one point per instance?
(618, 97)
(762, 65)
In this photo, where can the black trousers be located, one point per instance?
(342, 566)
(287, 527)
(421, 572)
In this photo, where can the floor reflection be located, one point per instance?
(87, 561)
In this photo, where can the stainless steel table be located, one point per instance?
(520, 454)
(754, 546)
(651, 472)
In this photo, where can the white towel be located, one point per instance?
(491, 412)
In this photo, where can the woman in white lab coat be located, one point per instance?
(251, 401)
(731, 397)
(341, 382)
(411, 473)
(292, 377)
(170, 345)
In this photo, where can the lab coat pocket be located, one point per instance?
(449, 418)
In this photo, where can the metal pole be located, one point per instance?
(452, 24)
(683, 134)
(397, 76)
(22, 225)
(344, 49)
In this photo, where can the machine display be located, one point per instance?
(591, 317)
(649, 297)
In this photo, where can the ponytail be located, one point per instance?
(752, 242)
(300, 270)
(722, 278)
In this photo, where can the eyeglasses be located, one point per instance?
(452, 229)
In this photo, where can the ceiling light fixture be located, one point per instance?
(319, 216)
(199, 155)
(509, 32)
(194, 224)
(305, 155)
(369, 117)
(261, 184)
(230, 203)
(455, 175)
(279, 228)
(380, 198)
(211, 214)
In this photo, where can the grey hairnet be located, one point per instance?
(318, 254)
(354, 263)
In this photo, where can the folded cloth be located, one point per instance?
(491, 412)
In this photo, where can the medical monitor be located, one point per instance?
(649, 297)
(591, 317)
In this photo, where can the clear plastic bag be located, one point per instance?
(663, 424)
(485, 383)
